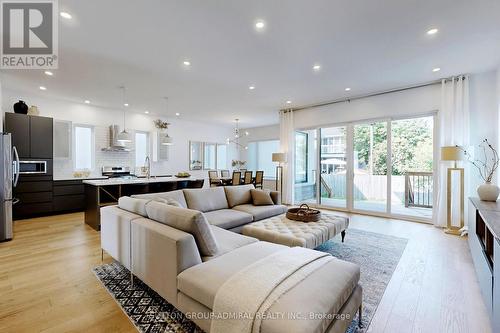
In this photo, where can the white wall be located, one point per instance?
(484, 116)
(408, 102)
(182, 132)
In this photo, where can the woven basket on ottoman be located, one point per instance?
(280, 230)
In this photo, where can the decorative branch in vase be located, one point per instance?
(486, 166)
(238, 164)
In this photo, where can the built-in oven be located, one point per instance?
(32, 167)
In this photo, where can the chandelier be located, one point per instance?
(237, 135)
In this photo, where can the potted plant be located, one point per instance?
(236, 164)
(486, 166)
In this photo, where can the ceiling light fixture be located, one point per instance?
(165, 139)
(123, 136)
(87, 101)
(347, 89)
(251, 87)
(437, 69)
(49, 73)
(288, 102)
(177, 114)
(146, 112)
(66, 15)
(186, 63)
(237, 136)
(316, 67)
(43, 88)
(432, 31)
(260, 25)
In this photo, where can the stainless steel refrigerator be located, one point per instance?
(9, 175)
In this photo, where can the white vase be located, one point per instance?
(488, 192)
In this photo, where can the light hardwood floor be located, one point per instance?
(46, 282)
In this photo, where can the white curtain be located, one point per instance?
(287, 146)
(453, 120)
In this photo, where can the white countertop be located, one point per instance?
(121, 181)
(79, 178)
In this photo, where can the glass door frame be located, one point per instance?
(350, 164)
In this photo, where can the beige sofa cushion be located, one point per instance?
(261, 197)
(238, 195)
(206, 200)
(201, 282)
(168, 201)
(228, 241)
(228, 218)
(133, 205)
(187, 220)
(177, 195)
(261, 212)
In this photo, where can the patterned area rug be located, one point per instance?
(377, 255)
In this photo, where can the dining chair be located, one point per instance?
(236, 178)
(248, 177)
(259, 179)
(224, 173)
(213, 178)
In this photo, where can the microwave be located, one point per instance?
(32, 167)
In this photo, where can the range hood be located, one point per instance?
(115, 145)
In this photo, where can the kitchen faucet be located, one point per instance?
(147, 166)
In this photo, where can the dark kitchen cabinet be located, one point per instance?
(41, 137)
(32, 135)
(19, 127)
(69, 196)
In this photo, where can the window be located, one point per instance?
(84, 147)
(301, 141)
(209, 157)
(141, 147)
(222, 157)
(260, 156)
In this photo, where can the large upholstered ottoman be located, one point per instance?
(280, 230)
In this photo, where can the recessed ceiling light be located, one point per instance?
(288, 102)
(432, 31)
(126, 104)
(65, 15)
(347, 89)
(177, 114)
(260, 24)
(317, 67)
(186, 63)
(87, 101)
(49, 73)
(146, 112)
(43, 88)
(251, 87)
(437, 69)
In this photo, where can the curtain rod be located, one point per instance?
(349, 99)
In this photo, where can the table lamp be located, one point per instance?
(279, 158)
(453, 153)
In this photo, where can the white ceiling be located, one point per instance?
(362, 44)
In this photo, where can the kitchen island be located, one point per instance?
(104, 192)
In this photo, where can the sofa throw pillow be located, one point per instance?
(238, 195)
(187, 220)
(134, 205)
(169, 201)
(261, 197)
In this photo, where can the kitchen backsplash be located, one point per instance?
(63, 168)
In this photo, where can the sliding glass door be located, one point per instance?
(333, 166)
(305, 166)
(383, 166)
(369, 187)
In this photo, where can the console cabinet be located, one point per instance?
(484, 244)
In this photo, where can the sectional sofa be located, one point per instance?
(185, 245)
